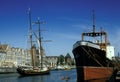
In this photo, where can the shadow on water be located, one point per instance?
(9, 75)
(54, 76)
(20, 76)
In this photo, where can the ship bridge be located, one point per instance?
(102, 43)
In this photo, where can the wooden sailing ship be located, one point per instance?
(35, 70)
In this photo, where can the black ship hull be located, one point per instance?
(91, 62)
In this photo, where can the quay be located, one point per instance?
(115, 77)
(118, 77)
(7, 69)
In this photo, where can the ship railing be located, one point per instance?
(85, 43)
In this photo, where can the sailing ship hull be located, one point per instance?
(91, 62)
(32, 72)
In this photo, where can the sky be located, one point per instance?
(65, 21)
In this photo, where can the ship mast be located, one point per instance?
(30, 29)
(93, 21)
(40, 41)
(96, 34)
(30, 35)
(93, 15)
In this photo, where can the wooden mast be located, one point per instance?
(30, 35)
(40, 41)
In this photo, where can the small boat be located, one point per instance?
(67, 67)
(65, 78)
(59, 67)
(35, 70)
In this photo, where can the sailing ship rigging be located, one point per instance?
(35, 70)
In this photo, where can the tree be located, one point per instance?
(61, 60)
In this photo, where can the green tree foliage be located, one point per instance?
(61, 59)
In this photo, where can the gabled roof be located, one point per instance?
(3, 47)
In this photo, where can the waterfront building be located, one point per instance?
(23, 56)
(11, 56)
(2, 54)
(68, 59)
(37, 58)
(7, 58)
(52, 60)
(14, 56)
(27, 57)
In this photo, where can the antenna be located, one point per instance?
(93, 18)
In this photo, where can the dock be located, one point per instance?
(115, 77)
(118, 76)
(7, 69)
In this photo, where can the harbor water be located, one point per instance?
(54, 76)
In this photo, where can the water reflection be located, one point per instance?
(55, 76)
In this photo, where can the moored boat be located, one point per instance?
(67, 67)
(26, 71)
(91, 56)
(42, 69)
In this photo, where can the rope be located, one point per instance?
(92, 57)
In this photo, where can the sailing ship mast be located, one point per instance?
(35, 70)
(30, 36)
(30, 29)
(40, 41)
